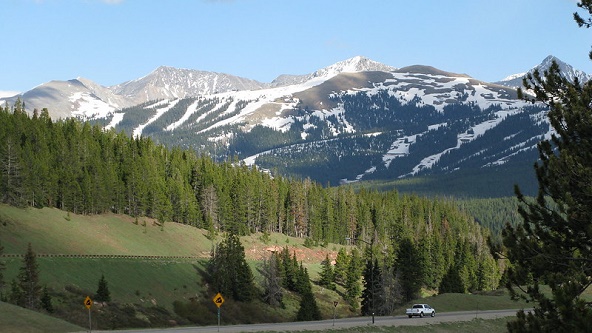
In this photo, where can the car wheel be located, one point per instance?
(421, 315)
(410, 316)
(434, 314)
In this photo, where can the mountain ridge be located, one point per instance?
(164, 82)
(352, 121)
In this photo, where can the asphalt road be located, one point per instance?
(338, 323)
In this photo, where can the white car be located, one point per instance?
(420, 310)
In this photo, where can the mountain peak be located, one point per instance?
(549, 59)
(351, 65)
(566, 70)
(355, 64)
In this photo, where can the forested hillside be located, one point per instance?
(83, 169)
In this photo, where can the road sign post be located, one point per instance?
(334, 310)
(218, 300)
(88, 303)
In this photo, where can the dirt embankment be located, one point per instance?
(303, 254)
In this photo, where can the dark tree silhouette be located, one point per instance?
(553, 245)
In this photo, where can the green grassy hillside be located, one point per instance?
(145, 285)
(16, 319)
(134, 282)
(52, 231)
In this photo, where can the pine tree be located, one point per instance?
(553, 245)
(341, 265)
(309, 309)
(303, 285)
(28, 281)
(326, 277)
(289, 270)
(410, 268)
(11, 173)
(16, 294)
(352, 280)
(452, 282)
(229, 271)
(46, 300)
(103, 294)
(372, 292)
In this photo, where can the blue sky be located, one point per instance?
(112, 41)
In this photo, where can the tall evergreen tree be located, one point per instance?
(553, 245)
(410, 268)
(452, 282)
(352, 281)
(103, 294)
(229, 271)
(11, 173)
(309, 309)
(326, 277)
(289, 270)
(341, 265)
(372, 292)
(28, 281)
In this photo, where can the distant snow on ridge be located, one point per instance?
(165, 106)
(514, 76)
(351, 65)
(5, 94)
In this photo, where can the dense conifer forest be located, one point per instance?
(81, 168)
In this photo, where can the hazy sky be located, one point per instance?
(112, 41)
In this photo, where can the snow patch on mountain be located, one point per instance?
(190, 110)
(259, 98)
(470, 135)
(514, 76)
(116, 119)
(159, 112)
(84, 105)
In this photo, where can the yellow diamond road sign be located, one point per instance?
(88, 302)
(218, 299)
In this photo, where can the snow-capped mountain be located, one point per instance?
(87, 99)
(355, 120)
(77, 97)
(354, 125)
(515, 80)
